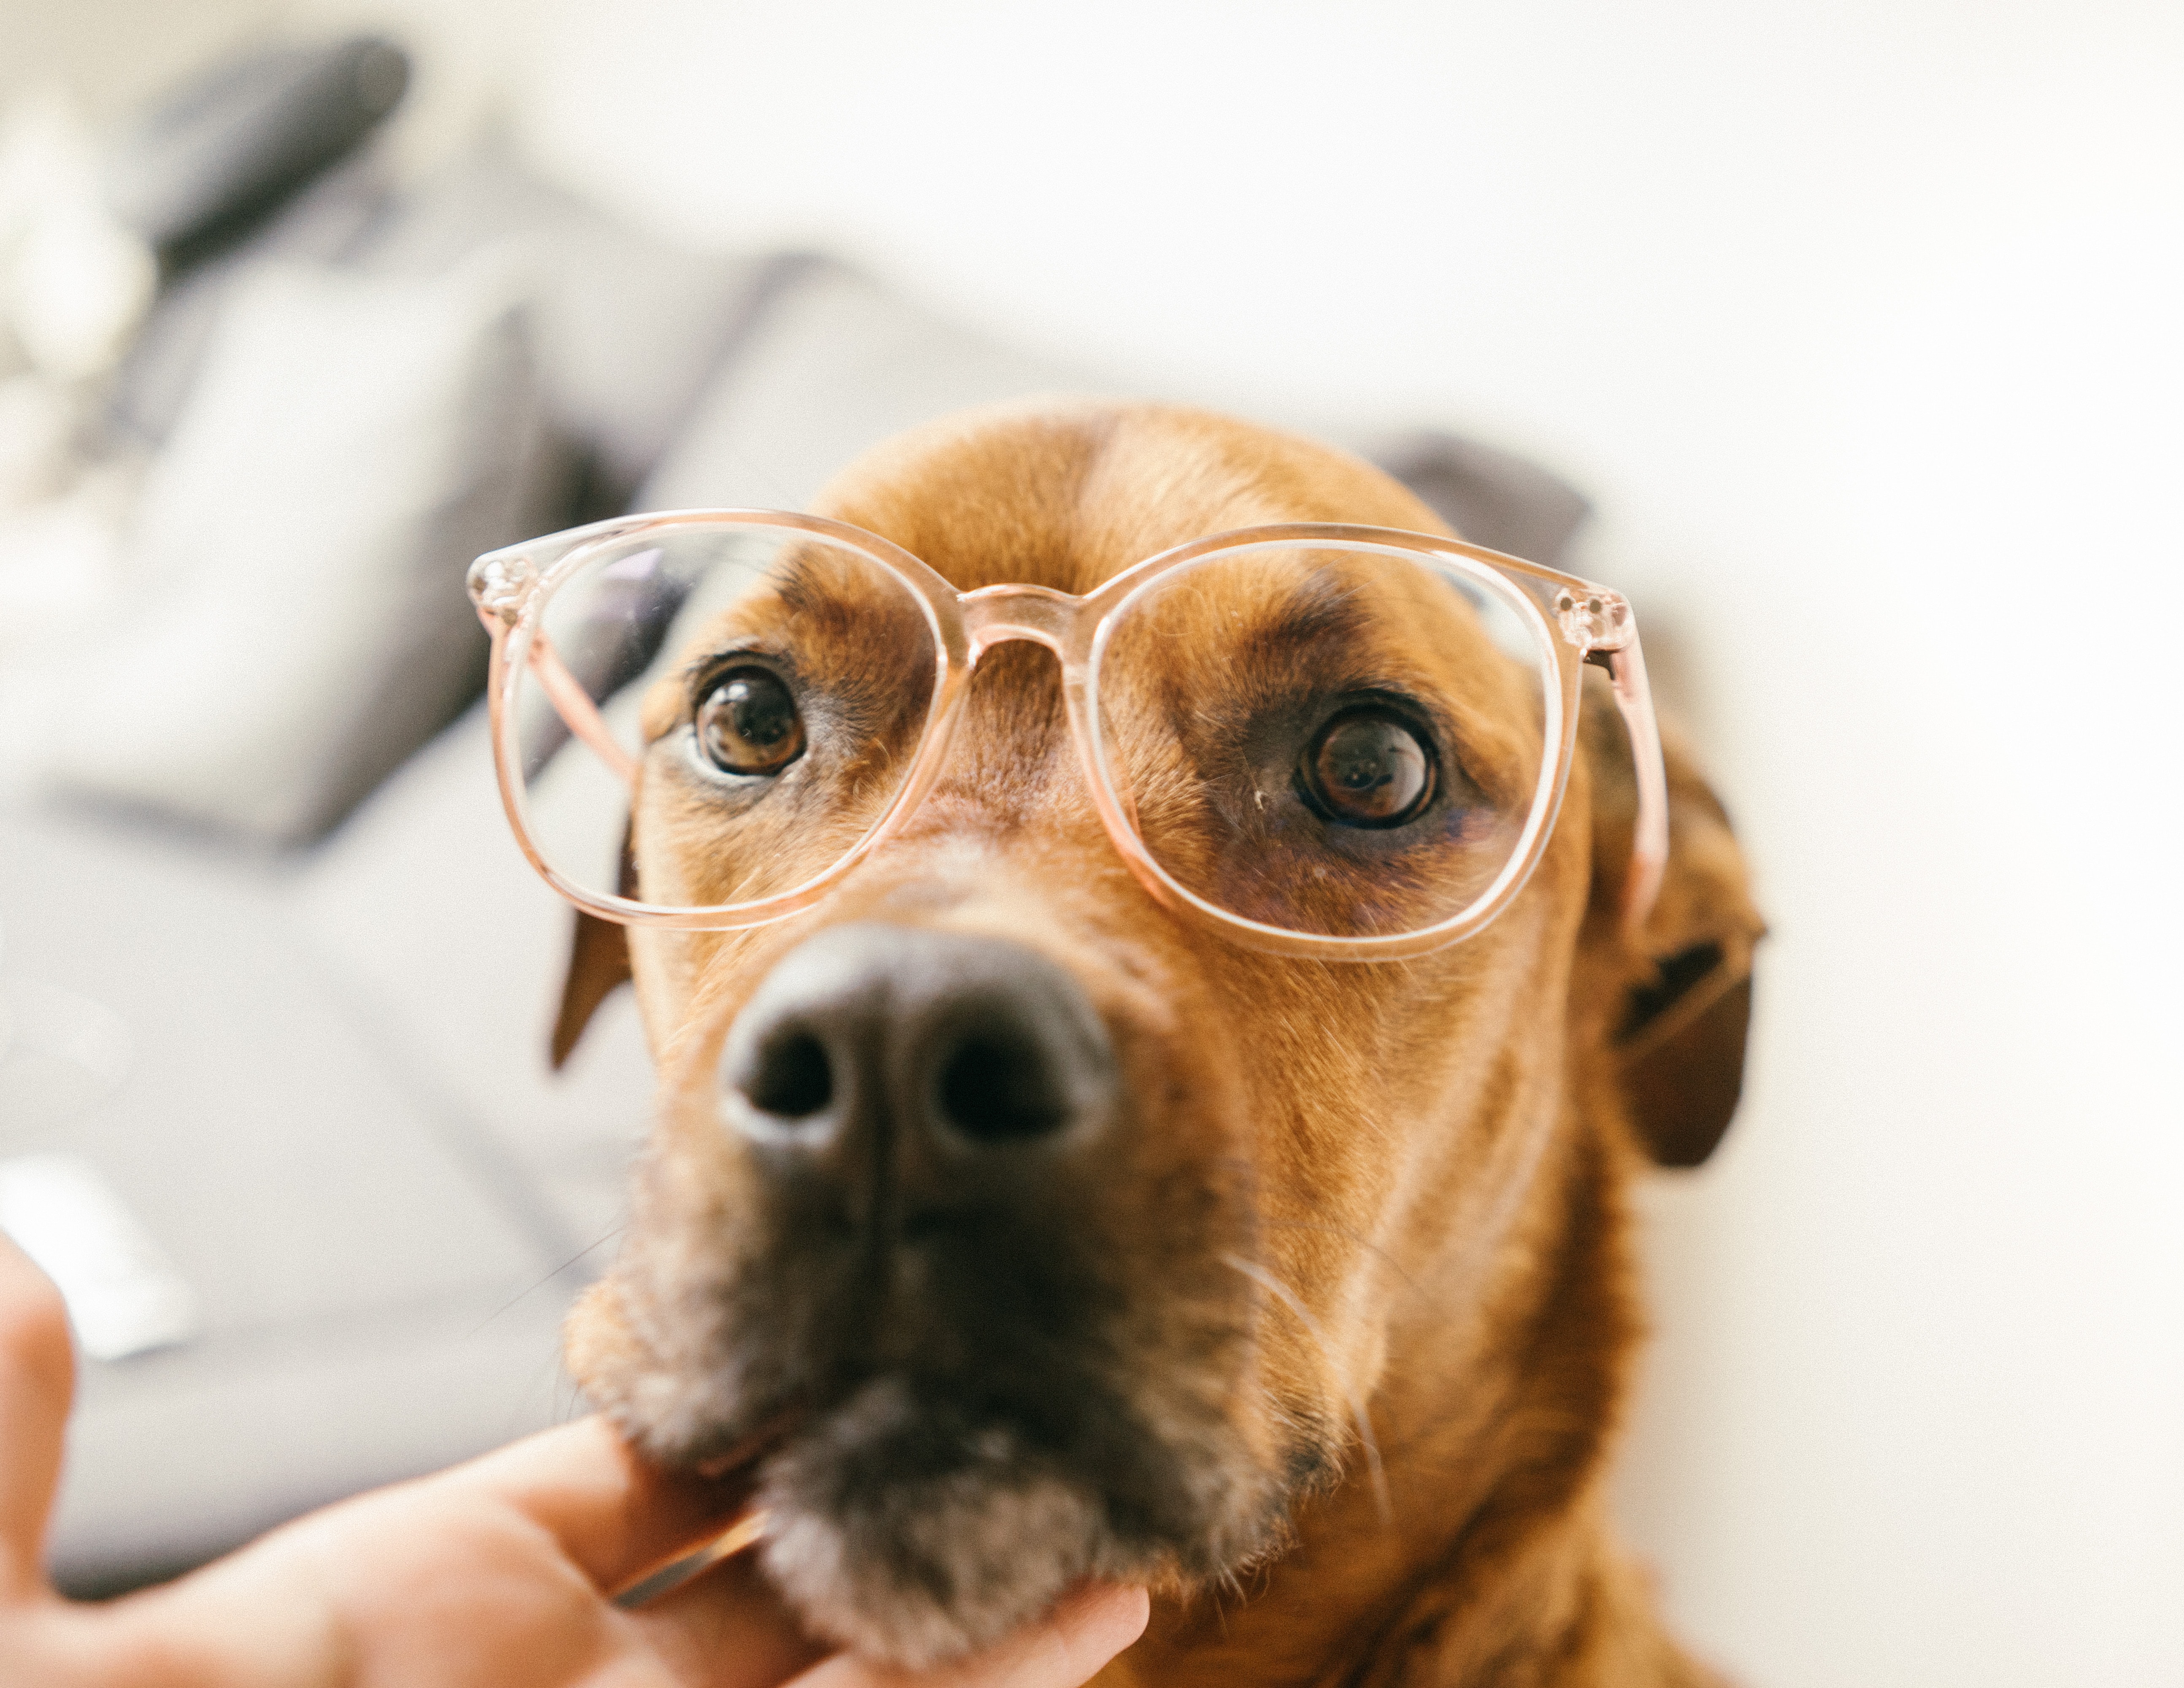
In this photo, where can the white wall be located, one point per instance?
(1861, 321)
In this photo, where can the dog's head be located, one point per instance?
(1033, 1234)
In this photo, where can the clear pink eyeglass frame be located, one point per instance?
(1592, 623)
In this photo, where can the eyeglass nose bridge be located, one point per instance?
(994, 614)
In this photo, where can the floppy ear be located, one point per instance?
(598, 964)
(1673, 1006)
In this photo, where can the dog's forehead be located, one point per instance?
(1066, 494)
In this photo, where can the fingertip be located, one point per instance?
(1100, 1619)
(37, 1380)
(34, 1320)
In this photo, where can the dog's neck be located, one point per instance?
(1493, 1561)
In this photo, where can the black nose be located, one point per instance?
(916, 1063)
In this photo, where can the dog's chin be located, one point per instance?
(912, 1539)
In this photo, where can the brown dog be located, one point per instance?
(1318, 1207)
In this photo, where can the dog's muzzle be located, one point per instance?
(927, 1114)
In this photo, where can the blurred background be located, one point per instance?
(1854, 328)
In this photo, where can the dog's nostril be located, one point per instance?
(793, 1078)
(997, 1090)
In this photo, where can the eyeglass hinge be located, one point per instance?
(500, 583)
(1597, 620)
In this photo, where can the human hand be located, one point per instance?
(501, 1571)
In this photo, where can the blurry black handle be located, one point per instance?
(226, 146)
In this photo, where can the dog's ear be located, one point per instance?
(599, 966)
(1672, 1005)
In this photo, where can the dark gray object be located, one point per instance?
(1494, 498)
(224, 148)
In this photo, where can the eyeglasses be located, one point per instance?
(1323, 740)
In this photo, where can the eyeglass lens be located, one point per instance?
(767, 686)
(1336, 741)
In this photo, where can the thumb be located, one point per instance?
(37, 1379)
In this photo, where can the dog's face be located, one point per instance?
(1031, 1234)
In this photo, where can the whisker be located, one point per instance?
(1349, 1234)
(535, 1288)
(1288, 1297)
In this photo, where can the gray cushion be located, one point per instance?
(294, 625)
(321, 223)
(627, 325)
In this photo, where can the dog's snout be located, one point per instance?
(905, 1054)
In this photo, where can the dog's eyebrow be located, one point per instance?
(1324, 610)
(801, 589)
(798, 587)
(833, 597)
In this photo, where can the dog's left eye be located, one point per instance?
(748, 723)
(1367, 767)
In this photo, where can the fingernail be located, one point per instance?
(1114, 1618)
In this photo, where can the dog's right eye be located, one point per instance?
(748, 723)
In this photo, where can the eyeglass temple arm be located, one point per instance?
(1649, 844)
(579, 713)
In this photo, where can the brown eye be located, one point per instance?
(1367, 767)
(750, 724)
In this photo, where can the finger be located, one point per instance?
(727, 1629)
(1087, 1629)
(37, 1379)
(615, 1516)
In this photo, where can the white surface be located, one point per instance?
(1861, 322)
(124, 1294)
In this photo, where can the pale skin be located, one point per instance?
(499, 1571)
